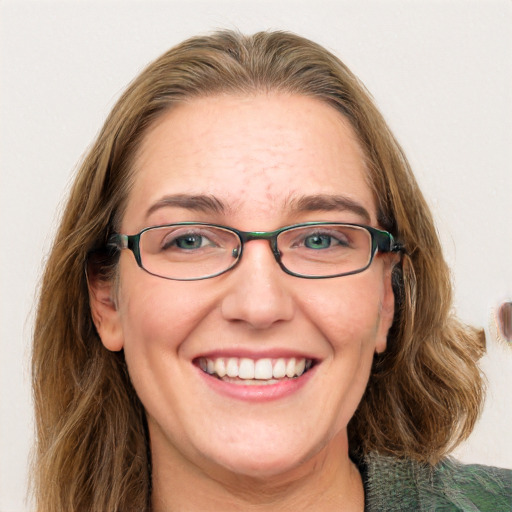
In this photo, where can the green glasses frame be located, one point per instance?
(381, 241)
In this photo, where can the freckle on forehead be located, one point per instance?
(268, 193)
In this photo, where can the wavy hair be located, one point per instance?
(425, 391)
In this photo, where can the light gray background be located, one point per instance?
(441, 72)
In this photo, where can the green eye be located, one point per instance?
(318, 241)
(189, 242)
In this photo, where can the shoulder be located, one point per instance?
(393, 484)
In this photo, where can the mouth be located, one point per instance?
(255, 372)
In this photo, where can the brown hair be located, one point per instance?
(425, 391)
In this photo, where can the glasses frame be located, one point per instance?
(382, 241)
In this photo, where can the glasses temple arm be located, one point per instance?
(394, 245)
(119, 241)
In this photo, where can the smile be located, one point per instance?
(248, 371)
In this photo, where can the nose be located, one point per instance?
(257, 293)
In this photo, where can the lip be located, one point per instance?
(270, 353)
(255, 393)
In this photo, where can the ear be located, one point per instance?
(105, 313)
(387, 312)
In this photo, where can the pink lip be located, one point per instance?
(262, 393)
(271, 354)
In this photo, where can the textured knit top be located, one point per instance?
(393, 484)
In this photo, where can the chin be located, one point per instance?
(269, 461)
(263, 468)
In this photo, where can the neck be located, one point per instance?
(329, 482)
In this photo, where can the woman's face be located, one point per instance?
(263, 162)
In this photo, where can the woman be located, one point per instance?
(246, 306)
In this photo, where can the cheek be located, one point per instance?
(157, 319)
(156, 312)
(348, 312)
(349, 318)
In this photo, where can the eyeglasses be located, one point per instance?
(191, 251)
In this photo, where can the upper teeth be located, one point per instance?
(259, 369)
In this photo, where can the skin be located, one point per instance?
(256, 154)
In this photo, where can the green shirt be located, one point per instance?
(393, 484)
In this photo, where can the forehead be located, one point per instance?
(255, 153)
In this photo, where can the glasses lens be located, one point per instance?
(192, 251)
(325, 250)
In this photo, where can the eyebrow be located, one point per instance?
(195, 202)
(328, 203)
(307, 203)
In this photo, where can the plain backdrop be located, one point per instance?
(441, 72)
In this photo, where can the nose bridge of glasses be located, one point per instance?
(269, 236)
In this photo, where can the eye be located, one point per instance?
(191, 241)
(186, 242)
(325, 240)
(318, 241)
